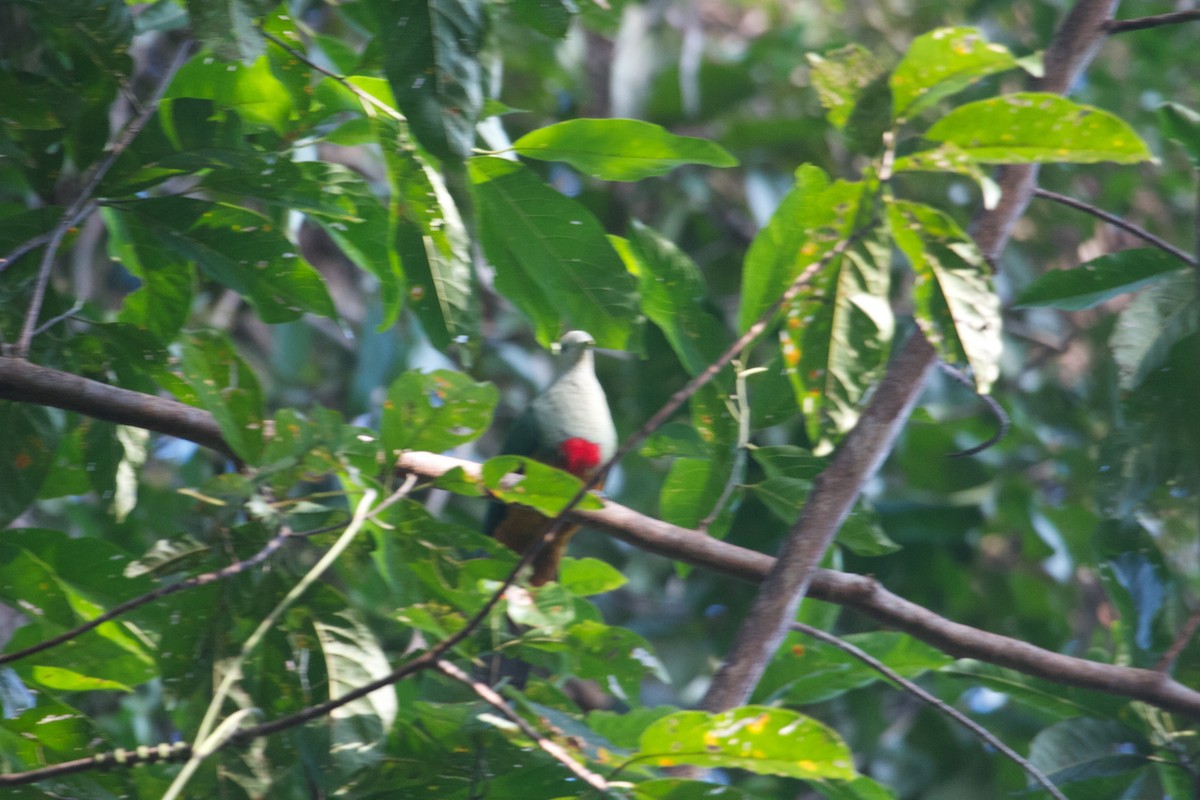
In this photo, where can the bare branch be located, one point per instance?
(925, 697)
(489, 696)
(1113, 219)
(1154, 21)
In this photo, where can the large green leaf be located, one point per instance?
(620, 149)
(551, 256)
(435, 411)
(241, 250)
(673, 296)
(1082, 749)
(430, 54)
(768, 741)
(227, 387)
(836, 338)
(1034, 127)
(693, 486)
(941, 63)
(813, 217)
(1099, 280)
(431, 242)
(956, 307)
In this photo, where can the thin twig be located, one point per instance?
(366, 97)
(489, 696)
(50, 323)
(1001, 416)
(1154, 21)
(146, 754)
(272, 545)
(1113, 219)
(1181, 641)
(22, 249)
(926, 697)
(71, 215)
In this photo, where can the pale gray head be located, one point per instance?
(572, 344)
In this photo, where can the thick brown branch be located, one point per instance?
(29, 383)
(866, 595)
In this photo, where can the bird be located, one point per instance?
(568, 426)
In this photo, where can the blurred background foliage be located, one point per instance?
(1077, 532)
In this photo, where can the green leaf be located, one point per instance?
(860, 532)
(1182, 124)
(435, 411)
(673, 296)
(951, 158)
(354, 658)
(1099, 280)
(813, 217)
(767, 741)
(1080, 749)
(162, 303)
(26, 455)
(431, 56)
(840, 76)
(788, 461)
(806, 670)
(227, 387)
(551, 256)
(241, 250)
(431, 242)
(541, 487)
(1038, 128)
(836, 338)
(941, 63)
(67, 680)
(583, 577)
(1158, 318)
(620, 149)
(956, 308)
(250, 89)
(612, 656)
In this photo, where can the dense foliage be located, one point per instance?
(260, 252)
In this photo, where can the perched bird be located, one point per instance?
(567, 426)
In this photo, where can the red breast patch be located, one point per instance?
(579, 456)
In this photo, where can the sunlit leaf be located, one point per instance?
(941, 63)
(1033, 128)
(840, 76)
(541, 487)
(768, 741)
(956, 307)
(620, 149)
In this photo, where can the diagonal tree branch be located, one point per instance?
(1075, 44)
(1113, 219)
